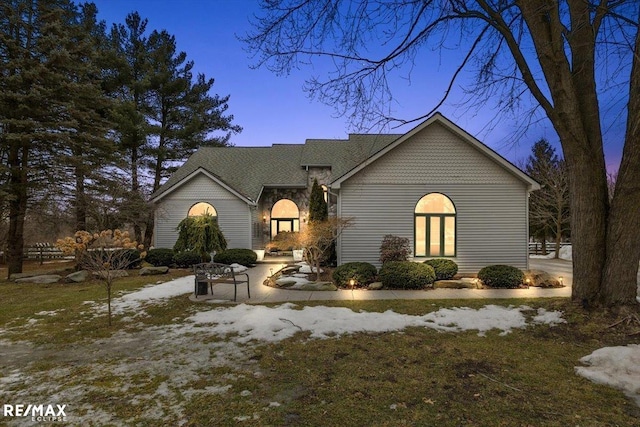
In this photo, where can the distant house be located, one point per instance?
(451, 195)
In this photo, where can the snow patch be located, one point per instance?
(245, 323)
(617, 367)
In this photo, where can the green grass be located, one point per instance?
(416, 377)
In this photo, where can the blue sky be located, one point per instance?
(274, 109)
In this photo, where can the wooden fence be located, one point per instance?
(535, 248)
(42, 252)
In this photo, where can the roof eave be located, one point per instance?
(201, 170)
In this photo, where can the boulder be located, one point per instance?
(454, 284)
(151, 271)
(375, 286)
(114, 274)
(78, 276)
(285, 282)
(541, 279)
(318, 286)
(44, 279)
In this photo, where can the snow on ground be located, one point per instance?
(180, 351)
(152, 294)
(245, 323)
(306, 268)
(566, 253)
(617, 367)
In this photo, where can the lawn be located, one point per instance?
(156, 366)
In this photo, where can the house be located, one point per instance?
(437, 185)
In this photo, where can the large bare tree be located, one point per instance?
(553, 51)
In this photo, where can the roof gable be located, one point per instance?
(439, 119)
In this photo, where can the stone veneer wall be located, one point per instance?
(300, 196)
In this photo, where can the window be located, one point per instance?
(285, 216)
(325, 192)
(202, 208)
(435, 226)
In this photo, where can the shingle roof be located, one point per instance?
(248, 169)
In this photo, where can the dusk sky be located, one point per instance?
(275, 109)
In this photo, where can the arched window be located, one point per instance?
(202, 208)
(435, 226)
(285, 216)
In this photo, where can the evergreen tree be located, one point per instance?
(318, 209)
(45, 91)
(182, 115)
(163, 114)
(548, 207)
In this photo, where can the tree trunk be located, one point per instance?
(589, 203)
(18, 162)
(558, 230)
(81, 202)
(619, 286)
(148, 232)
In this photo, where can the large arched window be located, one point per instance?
(435, 226)
(285, 216)
(202, 208)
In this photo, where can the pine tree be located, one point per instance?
(163, 115)
(44, 99)
(318, 209)
(548, 207)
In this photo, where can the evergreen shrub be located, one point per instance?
(445, 268)
(501, 276)
(363, 272)
(406, 275)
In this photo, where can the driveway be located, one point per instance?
(555, 267)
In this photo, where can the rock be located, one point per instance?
(454, 284)
(285, 282)
(44, 279)
(114, 274)
(318, 286)
(150, 271)
(78, 276)
(541, 279)
(375, 286)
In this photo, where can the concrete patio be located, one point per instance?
(261, 294)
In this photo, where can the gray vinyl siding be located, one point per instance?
(234, 215)
(491, 204)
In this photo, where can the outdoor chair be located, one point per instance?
(212, 273)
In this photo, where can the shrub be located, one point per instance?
(501, 276)
(132, 257)
(284, 241)
(127, 258)
(201, 234)
(244, 257)
(363, 272)
(394, 248)
(187, 258)
(406, 275)
(445, 268)
(160, 257)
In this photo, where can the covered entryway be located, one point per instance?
(285, 217)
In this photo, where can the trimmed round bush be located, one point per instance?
(160, 257)
(244, 257)
(363, 272)
(187, 258)
(406, 275)
(445, 268)
(501, 276)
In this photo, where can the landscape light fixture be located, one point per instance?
(561, 279)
